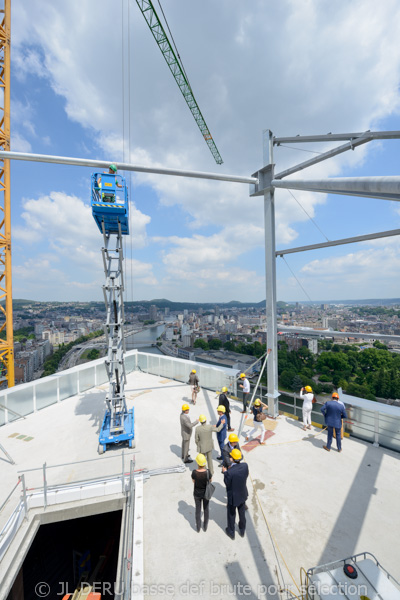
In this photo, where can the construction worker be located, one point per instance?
(233, 442)
(200, 478)
(308, 399)
(223, 401)
(245, 385)
(235, 478)
(258, 425)
(194, 382)
(335, 396)
(204, 440)
(112, 170)
(221, 430)
(334, 413)
(186, 431)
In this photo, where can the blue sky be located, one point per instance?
(293, 66)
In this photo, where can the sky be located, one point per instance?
(89, 81)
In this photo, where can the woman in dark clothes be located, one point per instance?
(200, 478)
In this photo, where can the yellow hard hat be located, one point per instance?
(242, 375)
(224, 389)
(185, 407)
(257, 402)
(221, 408)
(193, 370)
(202, 418)
(236, 454)
(201, 460)
(233, 438)
(335, 395)
(308, 388)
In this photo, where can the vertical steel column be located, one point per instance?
(6, 346)
(270, 280)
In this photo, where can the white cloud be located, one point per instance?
(66, 225)
(19, 144)
(294, 66)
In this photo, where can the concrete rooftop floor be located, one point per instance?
(319, 506)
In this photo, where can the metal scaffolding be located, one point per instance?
(114, 330)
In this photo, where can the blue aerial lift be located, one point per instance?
(111, 211)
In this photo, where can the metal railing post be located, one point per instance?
(24, 498)
(376, 426)
(123, 474)
(44, 486)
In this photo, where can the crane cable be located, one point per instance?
(126, 102)
(296, 278)
(311, 219)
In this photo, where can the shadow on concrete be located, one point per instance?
(347, 529)
(236, 575)
(93, 405)
(188, 511)
(177, 450)
(218, 514)
(318, 442)
(212, 411)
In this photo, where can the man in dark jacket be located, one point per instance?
(235, 480)
(223, 401)
(233, 442)
(334, 413)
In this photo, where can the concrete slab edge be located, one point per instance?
(138, 549)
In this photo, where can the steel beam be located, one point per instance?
(104, 164)
(321, 157)
(336, 137)
(351, 240)
(270, 281)
(384, 188)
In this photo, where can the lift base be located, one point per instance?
(127, 431)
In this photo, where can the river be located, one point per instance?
(145, 338)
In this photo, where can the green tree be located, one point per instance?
(297, 383)
(200, 343)
(287, 377)
(214, 344)
(379, 345)
(382, 384)
(230, 346)
(361, 391)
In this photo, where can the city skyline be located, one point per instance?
(288, 67)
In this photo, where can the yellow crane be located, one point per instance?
(6, 317)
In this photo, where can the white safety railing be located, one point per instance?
(366, 420)
(27, 398)
(45, 486)
(371, 421)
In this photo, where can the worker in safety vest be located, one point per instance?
(112, 170)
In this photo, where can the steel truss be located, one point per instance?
(384, 188)
(6, 318)
(113, 257)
